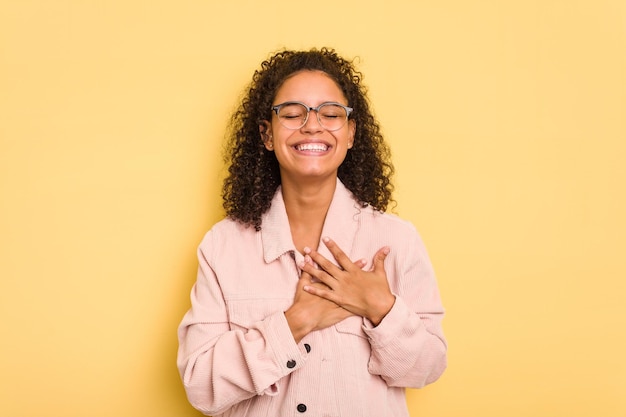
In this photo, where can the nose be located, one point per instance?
(312, 123)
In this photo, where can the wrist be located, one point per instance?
(381, 310)
(297, 323)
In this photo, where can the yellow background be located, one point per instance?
(507, 121)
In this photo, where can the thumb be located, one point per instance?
(305, 278)
(379, 259)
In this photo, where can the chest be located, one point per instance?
(249, 277)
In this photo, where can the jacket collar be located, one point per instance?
(341, 224)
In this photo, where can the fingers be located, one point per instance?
(379, 259)
(311, 258)
(319, 289)
(360, 263)
(341, 258)
(314, 274)
(345, 263)
(324, 264)
(305, 279)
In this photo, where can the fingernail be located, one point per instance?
(307, 250)
(386, 251)
(326, 239)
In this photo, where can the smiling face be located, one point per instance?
(310, 152)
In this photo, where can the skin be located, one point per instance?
(327, 294)
(297, 167)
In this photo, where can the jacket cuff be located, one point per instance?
(288, 355)
(390, 327)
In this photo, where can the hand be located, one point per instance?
(309, 312)
(363, 293)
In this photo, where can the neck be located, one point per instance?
(306, 205)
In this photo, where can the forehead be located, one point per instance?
(310, 87)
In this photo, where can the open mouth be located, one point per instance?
(312, 147)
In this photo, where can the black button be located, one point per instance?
(291, 364)
(301, 408)
(307, 347)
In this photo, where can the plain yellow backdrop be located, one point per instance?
(507, 121)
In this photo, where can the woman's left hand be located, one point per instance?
(364, 293)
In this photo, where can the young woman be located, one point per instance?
(310, 299)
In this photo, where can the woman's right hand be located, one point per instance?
(310, 312)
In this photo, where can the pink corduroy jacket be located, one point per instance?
(237, 356)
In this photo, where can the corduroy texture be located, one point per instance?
(237, 356)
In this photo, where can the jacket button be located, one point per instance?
(291, 364)
(301, 408)
(307, 347)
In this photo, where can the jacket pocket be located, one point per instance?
(353, 325)
(243, 313)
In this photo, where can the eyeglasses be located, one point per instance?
(293, 114)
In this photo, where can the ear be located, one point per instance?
(351, 133)
(265, 129)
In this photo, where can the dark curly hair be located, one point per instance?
(253, 171)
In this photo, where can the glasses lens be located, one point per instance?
(292, 115)
(332, 116)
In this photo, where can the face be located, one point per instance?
(309, 152)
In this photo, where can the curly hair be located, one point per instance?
(253, 171)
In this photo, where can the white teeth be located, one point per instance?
(319, 147)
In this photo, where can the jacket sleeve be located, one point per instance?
(408, 346)
(221, 366)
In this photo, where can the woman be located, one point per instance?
(310, 300)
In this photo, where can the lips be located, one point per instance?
(312, 147)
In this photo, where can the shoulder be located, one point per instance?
(390, 229)
(387, 221)
(227, 233)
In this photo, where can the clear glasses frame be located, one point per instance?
(290, 123)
